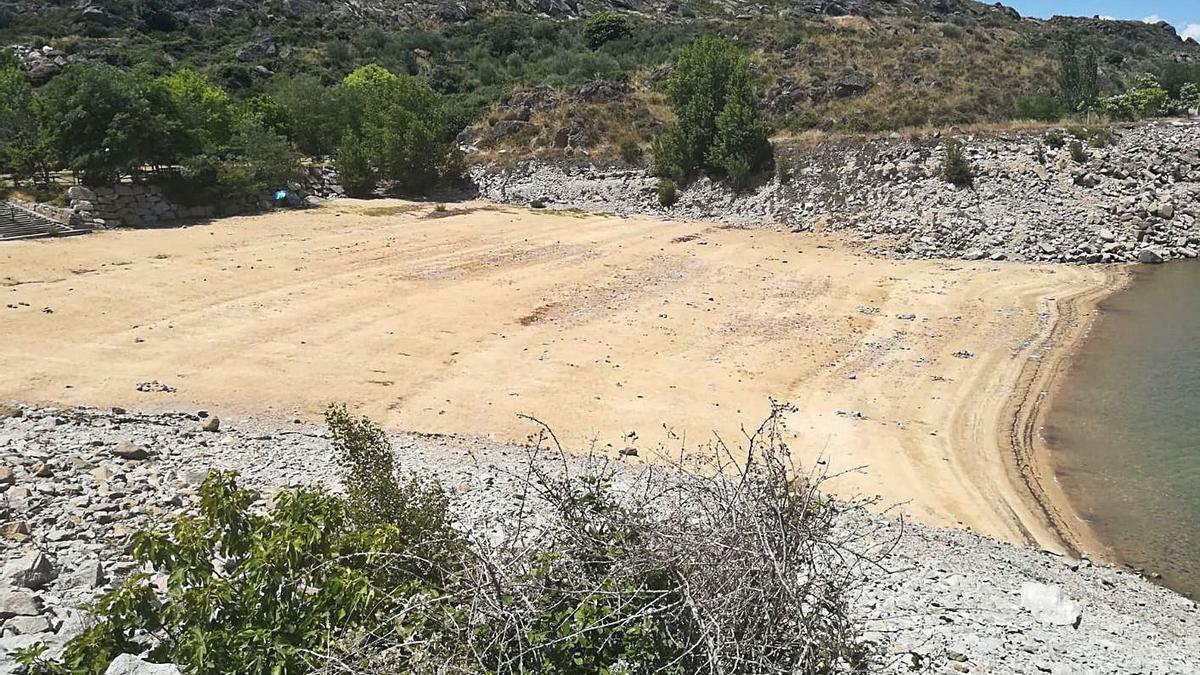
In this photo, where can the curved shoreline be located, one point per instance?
(1027, 451)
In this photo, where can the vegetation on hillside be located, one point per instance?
(104, 124)
(709, 568)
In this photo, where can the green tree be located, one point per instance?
(1079, 79)
(354, 169)
(604, 27)
(22, 147)
(718, 126)
(202, 111)
(316, 116)
(398, 120)
(104, 122)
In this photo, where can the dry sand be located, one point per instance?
(603, 327)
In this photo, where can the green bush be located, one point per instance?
(719, 127)
(668, 194)
(273, 592)
(1041, 108)
(1077, 152)
(537, 204)
(955, 167)
(1146, 98)
(1054, 140)
(604, 27)
(354, 169)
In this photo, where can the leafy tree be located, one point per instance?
(354, 168)
(398, 120)
(316, 115)
(1146, 98)
(104, 122)
(22, 148)
(740, 145)
(604, 27)
(202, 110)
(718, 127)
(1079, 83)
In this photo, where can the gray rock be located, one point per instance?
(128, 664)
(211, 425)
(1149, 256)
(1049, 604)
(32, 570)
(19, 603)
(128, 450)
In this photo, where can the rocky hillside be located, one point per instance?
(857, 65)
(1040, 196)
(78, 482)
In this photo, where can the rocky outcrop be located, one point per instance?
(1033, 199)
(941, 601)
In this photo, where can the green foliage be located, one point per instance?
(201, 110)
(604, 27)
(668, 194)
(1079, 78)
(1146, 98)
(355, 171)
(315, 115)
(536, 203)
(955, 167)
(398, 121)
(1054, 139)
(783, 169)
(1189, 97)
(1042, 108)
(23, 149)
(260, 592)
(104, 122)
(718, 126)
(1078, 154)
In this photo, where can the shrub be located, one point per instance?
(537, 204)
(274, 592)
(673, 572)
(718, 126)
(783, 169)
(955, 167)
(1054, 139)
(668, 194)
(1077, 152)
(1041, 108)
(631, 151)
(604, 27)
(354, 169)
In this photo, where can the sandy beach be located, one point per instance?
(615, 331)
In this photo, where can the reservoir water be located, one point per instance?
(1125, 426)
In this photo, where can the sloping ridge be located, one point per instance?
(20, 223)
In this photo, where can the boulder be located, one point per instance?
(128, 664)
(128, 450)
(1149, 256)
(851, 83)
(32, 570)
(1049, 604)
(19, 603)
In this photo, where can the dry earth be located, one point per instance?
(459, 321)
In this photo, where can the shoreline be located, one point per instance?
(1029, 453)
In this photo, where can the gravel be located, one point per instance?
(948, 600)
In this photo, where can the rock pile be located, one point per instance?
(77, 483)
(1136, 200)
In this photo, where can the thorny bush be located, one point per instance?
(724, 561)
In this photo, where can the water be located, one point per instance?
(1126, 426)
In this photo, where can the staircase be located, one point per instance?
(19, 223)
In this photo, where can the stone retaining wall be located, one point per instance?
(58, 214)
(147, 205)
